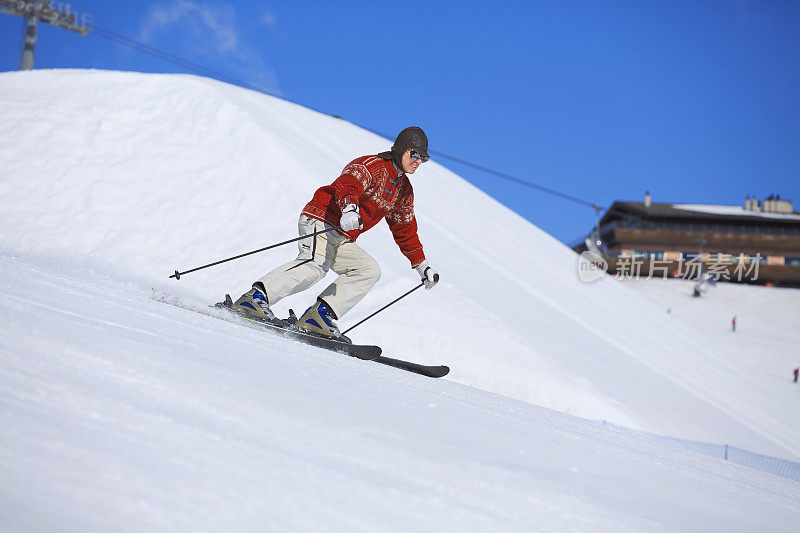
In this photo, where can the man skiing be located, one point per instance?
(370, 188)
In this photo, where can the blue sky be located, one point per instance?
(695, 101)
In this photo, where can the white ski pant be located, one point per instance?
(357, 270)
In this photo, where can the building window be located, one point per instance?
(793, 261)
(649, 254)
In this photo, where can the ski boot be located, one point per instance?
(319, 320)
(254, 304)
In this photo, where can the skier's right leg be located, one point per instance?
(358, 272)
(312, 263)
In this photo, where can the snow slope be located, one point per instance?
(136, 175)
(766, 325)
(123, 413)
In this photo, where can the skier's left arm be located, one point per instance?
(403, 226)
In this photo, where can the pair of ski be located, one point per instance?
(288, 329)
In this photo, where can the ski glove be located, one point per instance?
(429, 276)
(351, 220)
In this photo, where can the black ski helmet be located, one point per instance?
(410, 138)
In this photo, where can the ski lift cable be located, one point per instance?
(202, 69)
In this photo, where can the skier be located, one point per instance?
(733, 324)
(369, 189)
(796, 371)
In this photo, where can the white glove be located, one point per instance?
(429, 276)
(351, 220)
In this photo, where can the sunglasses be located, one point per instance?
(415, 156)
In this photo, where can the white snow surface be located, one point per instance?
(120, 413)
(733, 210)
(144, 415)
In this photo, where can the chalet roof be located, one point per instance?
(695, 212)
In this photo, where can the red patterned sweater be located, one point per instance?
(379, 191)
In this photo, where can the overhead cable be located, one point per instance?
(202, 69)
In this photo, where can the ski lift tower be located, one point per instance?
(60, 16)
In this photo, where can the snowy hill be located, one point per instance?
(764, 345)
(136, 175)
(120, 412)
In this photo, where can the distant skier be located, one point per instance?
(796, 371)
(733, 324)
(370, 188)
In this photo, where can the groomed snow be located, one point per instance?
(160, 416)
(122, 413)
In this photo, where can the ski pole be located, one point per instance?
(435, 278)
(177, 275)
